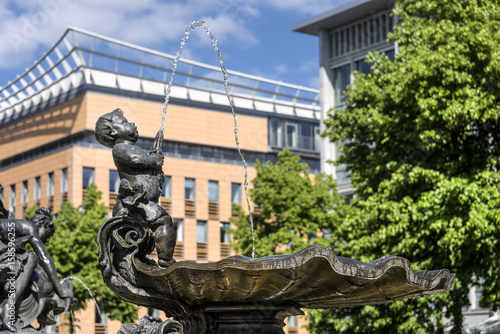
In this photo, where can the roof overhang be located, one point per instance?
(339, 16)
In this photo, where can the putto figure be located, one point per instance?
(31, 289)
(141, 180)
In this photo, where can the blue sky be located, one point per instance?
(254, 35)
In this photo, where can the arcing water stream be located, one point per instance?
(193, 25)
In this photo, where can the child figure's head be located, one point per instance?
(113, 126)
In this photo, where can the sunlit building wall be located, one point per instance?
(49, 155)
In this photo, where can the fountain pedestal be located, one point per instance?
(256, 318)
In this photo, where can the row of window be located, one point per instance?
(114, 183)
(360, 35)
(189, 186)
(202, 231)
(37, 189)
(170, 149)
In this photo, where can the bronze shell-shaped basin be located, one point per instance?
(311, 278)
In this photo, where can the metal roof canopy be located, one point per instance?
(341, 15)
(82, 58)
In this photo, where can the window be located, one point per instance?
(306, 136)
(225, 236)
(478, 295)
(317, 139)
(275, 132)
(291, 135)
(180, 229)
(88, 177)
(189, 189)
(114, 181)
(213, 191)
(363, 67)
(166, 190)
(383, 23)
(390, 54)
(64, 180)
(37, 193)
(50, 184)
(292, 321)
(236, 193)
(24, 193)
(330, 45)
(12, 198)
(201, 231)
(478, 292)
(1, 194)
(341, 79)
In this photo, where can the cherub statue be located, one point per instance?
(141, 178)
(17, 268)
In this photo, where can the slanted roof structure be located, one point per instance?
(82, 60)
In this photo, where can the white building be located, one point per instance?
(346, 35)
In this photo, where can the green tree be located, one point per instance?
(422, 143)
(297, 210)
(74, 250)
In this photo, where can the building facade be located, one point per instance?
(346, 35)
(48, 153)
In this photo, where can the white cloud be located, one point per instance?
(281, 68)
(307, 65)
(31, 25)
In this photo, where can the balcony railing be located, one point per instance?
(190, 208)
(213, 210)
(166, 203)
(202, 250)
(179, 250)
(112, 199)
(101, 329)
(225, 251)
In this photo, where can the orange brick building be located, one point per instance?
(48, 153)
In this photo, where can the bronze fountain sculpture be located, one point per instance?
(237, 294)
(31, 289)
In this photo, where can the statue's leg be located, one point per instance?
(165, 238)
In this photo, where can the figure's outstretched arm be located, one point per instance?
(47, 264)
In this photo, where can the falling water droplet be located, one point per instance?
(193, 25)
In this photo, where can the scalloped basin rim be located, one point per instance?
(294, 260)
(313, 277)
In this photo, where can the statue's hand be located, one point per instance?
(158, 142)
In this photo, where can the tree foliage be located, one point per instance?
(422, 143)
(74, 250)
(296, 210)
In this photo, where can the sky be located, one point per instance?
(254, 36)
